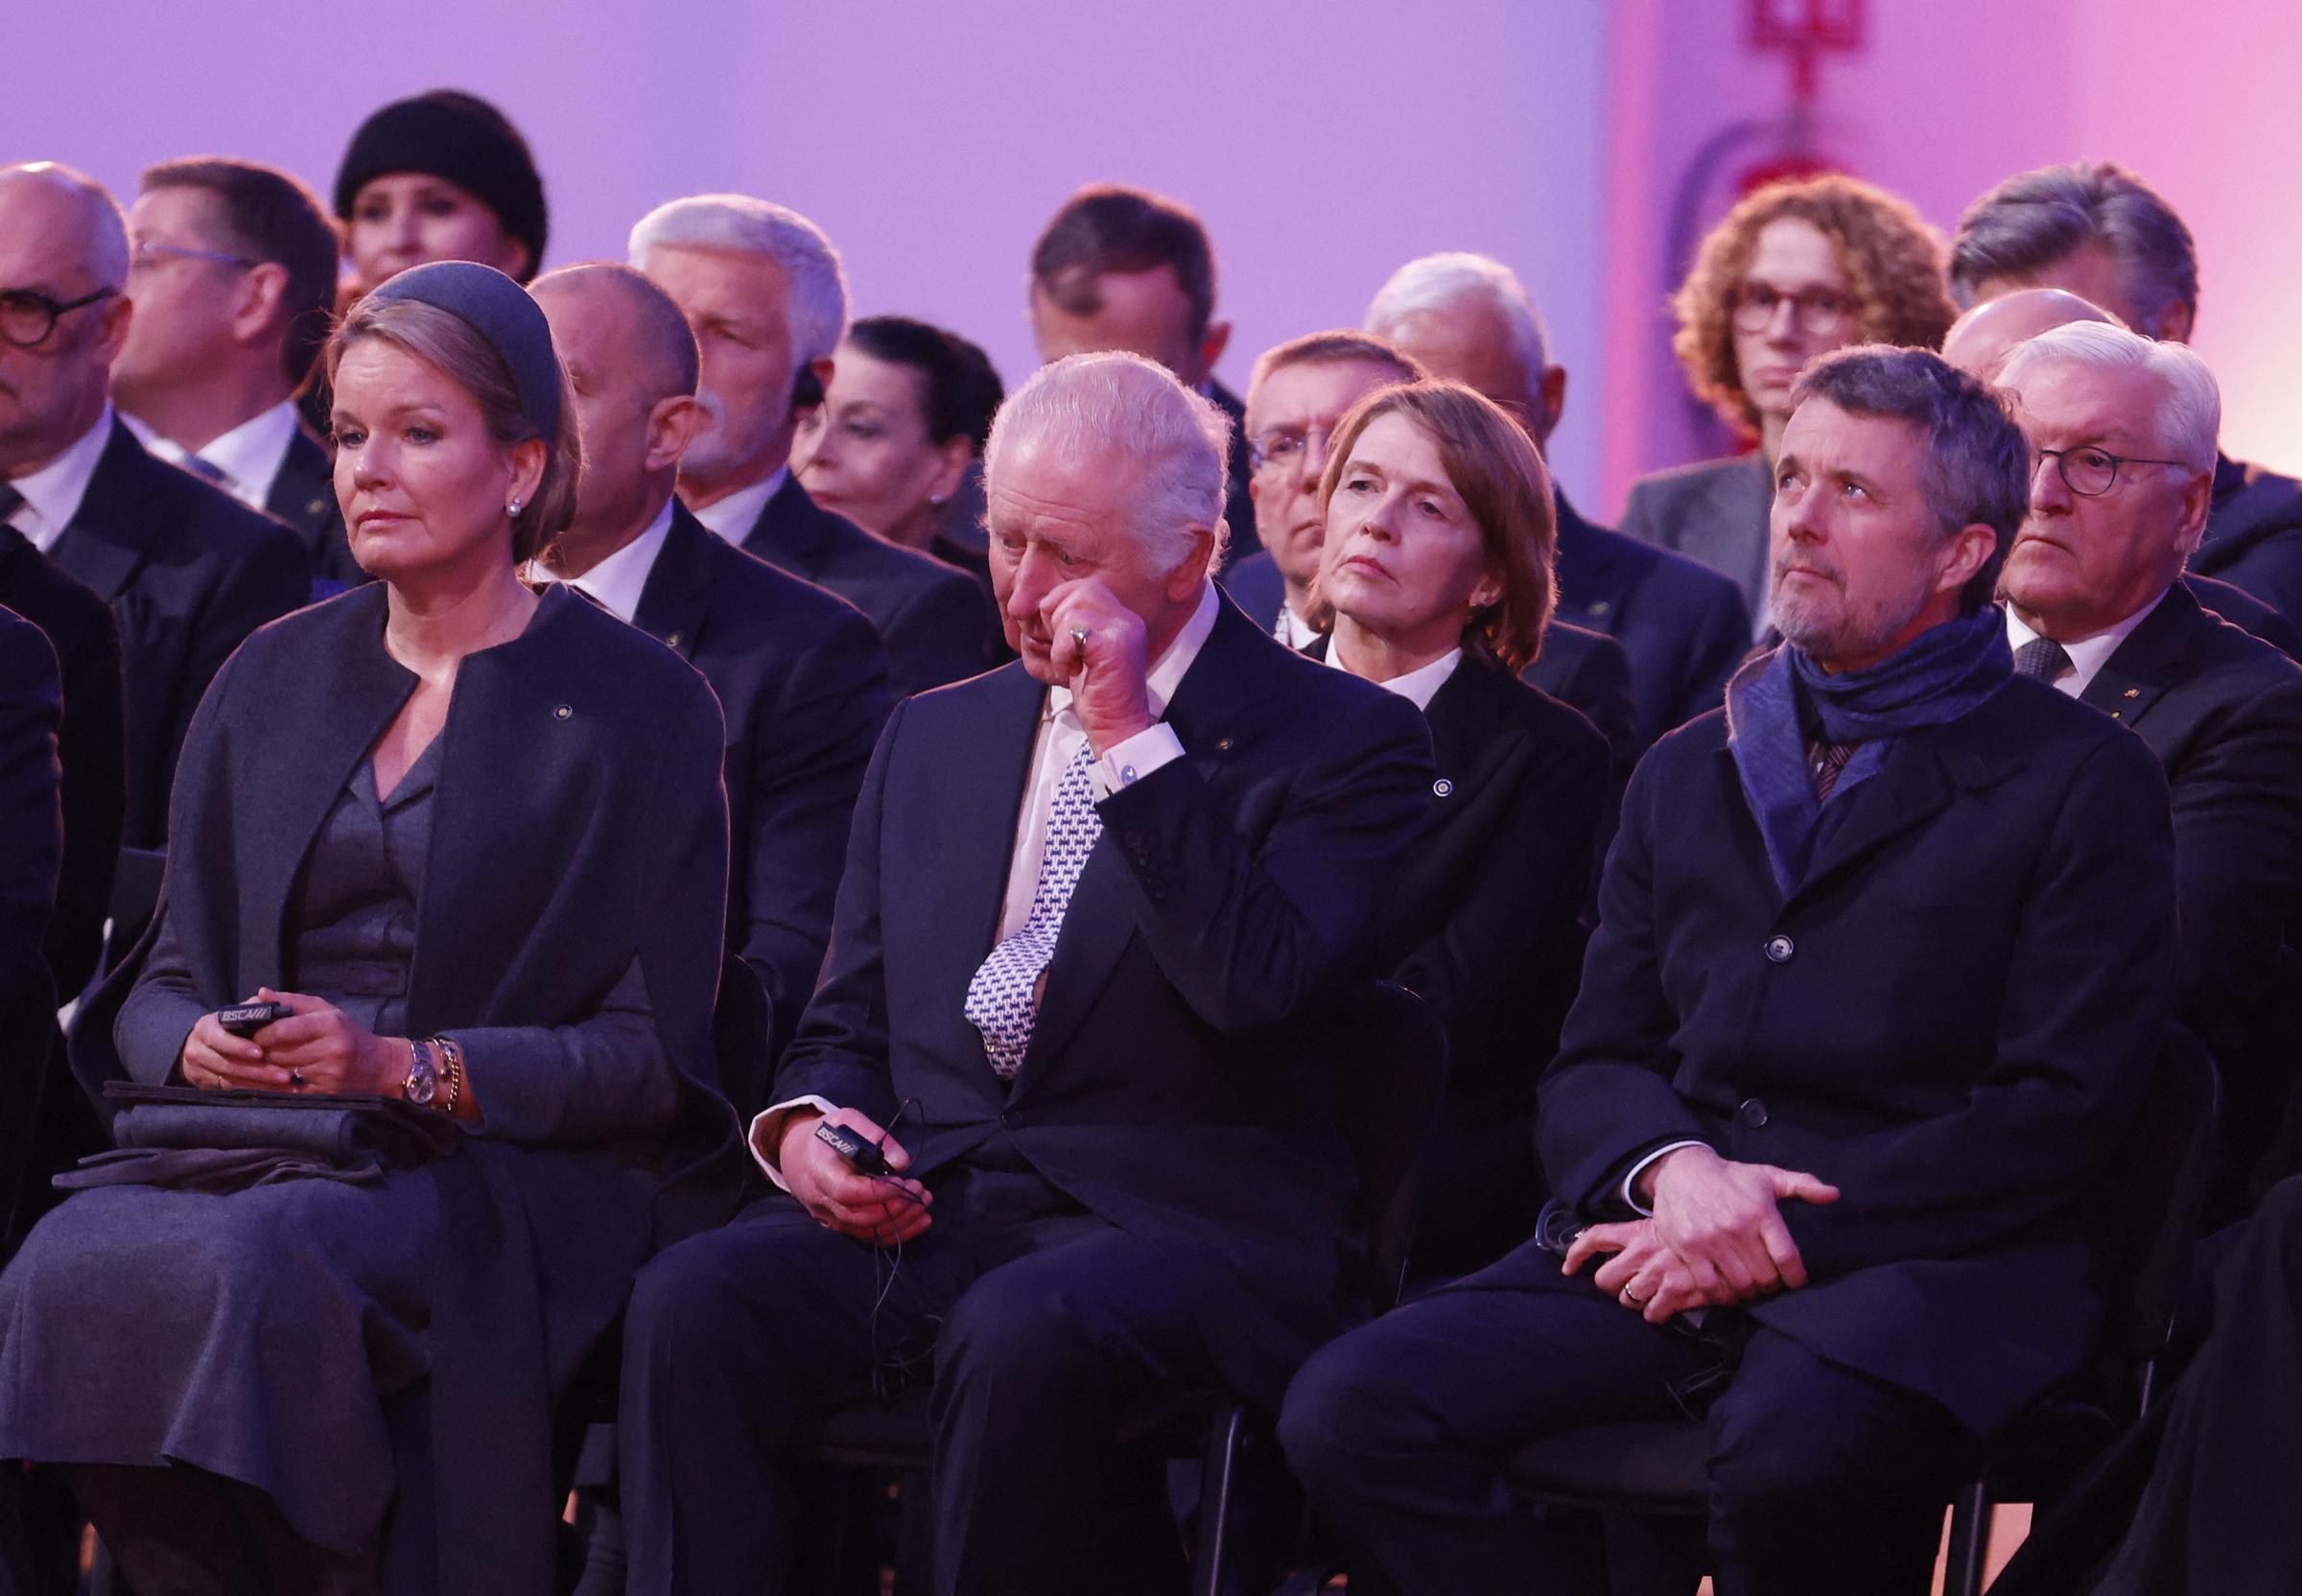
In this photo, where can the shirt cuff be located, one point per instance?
(1631, 1180)
(767, 1137)
(1130, 761)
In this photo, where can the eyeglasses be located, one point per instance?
(27, 318)
(1282, 447)
(151, 253)
(1820, 313)
(2091, 473)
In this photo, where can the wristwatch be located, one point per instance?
(422, 1084)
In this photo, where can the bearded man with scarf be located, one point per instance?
(1884, 962)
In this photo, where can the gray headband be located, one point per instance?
(500, 311)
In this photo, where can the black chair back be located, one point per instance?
(1399, 1054)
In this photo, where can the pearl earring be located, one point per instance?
(514, 507)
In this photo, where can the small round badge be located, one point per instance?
(1443, 787)
(563, 711)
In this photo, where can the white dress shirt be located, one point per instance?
(1293, 629)
(2089, 654)
(1060, 735)
(735, 516)
(53, 493)
(1420, 685)
(247, 459)
(618, 580)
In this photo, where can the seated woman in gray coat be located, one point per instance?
(474, 840)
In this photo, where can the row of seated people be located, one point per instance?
(1268, 939)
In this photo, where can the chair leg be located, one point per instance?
(1214, 1498)
(1971, 1512)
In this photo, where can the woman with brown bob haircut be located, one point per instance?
(419, 1051)
(1435, 582)
(1794, 270)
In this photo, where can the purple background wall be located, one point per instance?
(1325, 141)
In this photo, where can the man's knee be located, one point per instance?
(1348, 1405)
(703, 1307)
(1809, 1441)
(1026, 1327)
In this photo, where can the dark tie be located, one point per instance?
(1826, 760)
(205, 468)
(2042, 659)
(10, 502)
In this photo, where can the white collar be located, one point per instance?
(1293, 629)
(1167, 671)
(618, 580)
(249, 455)
(735, 516)
(53, 493)
(2087, 654)
(1419, 685)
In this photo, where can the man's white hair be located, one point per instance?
(2189, 419)
(1120, 406)
(817, 305)
(1440, 282)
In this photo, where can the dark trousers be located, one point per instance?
(1041, 1325)
(1821, 1480)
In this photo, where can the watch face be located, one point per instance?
(423, 1082)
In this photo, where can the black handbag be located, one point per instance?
(186, 1136)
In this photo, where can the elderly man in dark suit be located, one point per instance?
(800, 675)
(233, 274)
(1885, 959)
(189, 570)
(1685, 626)
(1298, 393)
(764, 294)
(1097, 905)
(2125, 430)
(2098, 230)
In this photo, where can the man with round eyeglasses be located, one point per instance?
(2123, 431)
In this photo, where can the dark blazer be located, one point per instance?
(2249, 614)
(2222, 711)
(92, 746)
(1714, 513)
(1256, 587)
(1685, 626)
(1487, 927)
(303, 495)
(31, 708)
(930, 615)
(1951, 1018)
(2254, 534)
(532, 909)
(189, 572)
(802, 681)
(1238, 508)
(1177, 1082)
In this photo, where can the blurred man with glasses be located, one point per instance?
(2124, 430)
(232, 268)
(188, 569)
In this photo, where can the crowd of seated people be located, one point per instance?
(603, 868)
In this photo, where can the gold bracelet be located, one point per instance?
(451, 1058)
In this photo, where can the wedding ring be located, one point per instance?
(1630, 1302)
(295, 1080)
(1079, 636)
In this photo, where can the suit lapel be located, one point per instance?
(789, 532)
(676, 596)
(1470, 741)
(108, 541)
(2140, 670)
(303, 493)
(974, 822)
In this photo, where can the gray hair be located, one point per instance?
(1085, 406)
(1436, 282)
(105, 222)
(817, 302)
(2032, 221)
(1978, 463)
(2188, 422)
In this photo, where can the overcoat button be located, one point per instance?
(1780, 949)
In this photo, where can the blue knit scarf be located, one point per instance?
(1942, 674)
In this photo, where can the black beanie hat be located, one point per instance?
(462, 138)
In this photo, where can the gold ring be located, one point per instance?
(1079, 636)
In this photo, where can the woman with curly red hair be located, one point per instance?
(1794, 270)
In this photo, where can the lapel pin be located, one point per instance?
(563, 711)
(1443, 787)
(2134, 692)
(672, 642)
(1223, 745)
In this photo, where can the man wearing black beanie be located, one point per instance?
(444, 176)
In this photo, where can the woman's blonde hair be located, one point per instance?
(463, 355)
(1498, 474)
(1892, 261)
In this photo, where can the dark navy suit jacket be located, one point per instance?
(1685, 626)
(189, 572)
(303, 495)
(930, 615)
(1179, 1080)
(802, 681)
(1952, 1017)
(2254, 536)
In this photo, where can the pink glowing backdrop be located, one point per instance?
(1323, 140)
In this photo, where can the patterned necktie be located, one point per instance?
(1002, 1000)
(2041, 657)
(1828, 761)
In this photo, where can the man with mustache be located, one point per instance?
(764, 294)
(2097, 606)
(1886, 954)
